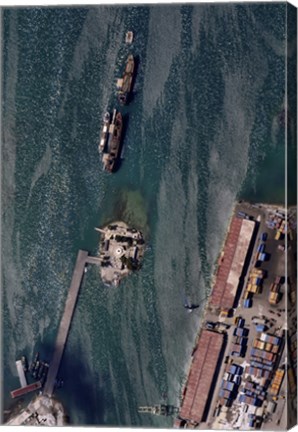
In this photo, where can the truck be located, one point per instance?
(274, 297)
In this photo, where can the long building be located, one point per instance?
(201, 377)
(232, 262)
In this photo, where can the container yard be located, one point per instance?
(247, 308)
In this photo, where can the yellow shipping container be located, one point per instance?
(261, 345)
(255, 343)
(276, 383)
(246, 294)
(275, 349)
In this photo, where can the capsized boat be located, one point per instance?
(104, 133)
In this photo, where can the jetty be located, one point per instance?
(82, 259)
(21, 373)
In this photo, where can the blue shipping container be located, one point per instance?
(247, 303)
(230, 385)
(233, 369)
(240, 322)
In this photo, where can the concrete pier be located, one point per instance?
(21, 373)
(65, 321)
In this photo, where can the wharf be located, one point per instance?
(220, 398)
(65, 321)
(21, 373)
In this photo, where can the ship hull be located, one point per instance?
(125, 87)
(111, 156)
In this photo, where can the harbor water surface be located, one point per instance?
(203, 129)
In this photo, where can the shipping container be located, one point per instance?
(242, 398)
(230, 386)
(232, 369)
(263, 257)
(247, 303)
(240, 322)
(261, 327)
(261, 248)
(237, 380)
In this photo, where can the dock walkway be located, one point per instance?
(93, 260)
(76, 281)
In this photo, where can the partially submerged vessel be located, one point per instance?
(124, 84)
(129, 37)
(160, 410)
(113, 140)
(104, 132)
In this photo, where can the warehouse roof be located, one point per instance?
(201, 376)
(231, 265)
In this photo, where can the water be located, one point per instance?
(202, 131)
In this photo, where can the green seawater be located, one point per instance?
(201, 131)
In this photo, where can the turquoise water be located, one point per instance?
(202, 131)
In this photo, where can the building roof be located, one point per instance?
(201, 375)
(231, 265)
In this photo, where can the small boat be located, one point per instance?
(33, 364)
(40, 371)
(37, 366)
(129, 37)
(24, 363)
